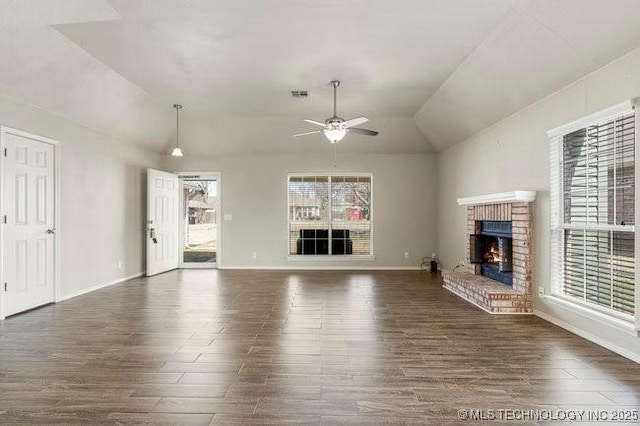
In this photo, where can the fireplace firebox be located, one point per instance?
(492, 249)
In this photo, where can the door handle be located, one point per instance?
(152, 235)
(51, 231)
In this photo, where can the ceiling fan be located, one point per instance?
(335, 128)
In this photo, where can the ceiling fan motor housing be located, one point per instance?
(334, 121)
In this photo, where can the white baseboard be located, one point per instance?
(325, 268)
(98, 287)
(588, 336)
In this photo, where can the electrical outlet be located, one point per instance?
(541, 291)
(406, 254)
(254, 255)
(119, 264)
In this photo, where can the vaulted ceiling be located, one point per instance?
(428, 73)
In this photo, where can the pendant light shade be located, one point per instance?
(177, 152)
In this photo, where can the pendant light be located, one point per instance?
(177, 152)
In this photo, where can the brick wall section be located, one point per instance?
(473, 227)
(521, 222)
(492, 212)
(490, 295)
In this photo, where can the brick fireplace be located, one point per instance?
(497, 274)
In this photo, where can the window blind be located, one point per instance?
(593, 212)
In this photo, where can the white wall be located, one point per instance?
(103, 188)
(254, 192)
(514, 154)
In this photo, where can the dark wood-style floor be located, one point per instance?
(264, 347)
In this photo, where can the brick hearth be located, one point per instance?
(490, 295)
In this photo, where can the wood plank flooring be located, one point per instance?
(266, 347)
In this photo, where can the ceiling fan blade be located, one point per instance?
(363, 131)
(355, 122)
(307, 133)
(317, 123)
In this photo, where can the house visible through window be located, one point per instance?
(593, 212)
(329, 214)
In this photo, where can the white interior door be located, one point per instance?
(29, 211)
(163, 211)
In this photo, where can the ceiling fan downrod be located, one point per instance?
(335, 84)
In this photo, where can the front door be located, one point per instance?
(163, 210)
(28, 200)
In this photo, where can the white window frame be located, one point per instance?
(558, 226)
(338, 257)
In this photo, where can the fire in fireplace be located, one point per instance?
(492, 249)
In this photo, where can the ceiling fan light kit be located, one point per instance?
(177, 152)
(335, 135)
(335, 128)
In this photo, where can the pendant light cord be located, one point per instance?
(177, 107)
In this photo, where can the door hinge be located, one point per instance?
(5, 152)
(4, 219)
(5, 286)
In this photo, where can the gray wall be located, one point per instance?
(254, 192)
(514, 154)
(102, 198)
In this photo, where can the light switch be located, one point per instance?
(228, 217)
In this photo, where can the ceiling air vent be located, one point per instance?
(299, 93)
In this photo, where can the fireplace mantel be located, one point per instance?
(499, 198)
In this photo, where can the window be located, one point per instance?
(329, 214)
(593, 210)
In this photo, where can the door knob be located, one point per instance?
(51, 231)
